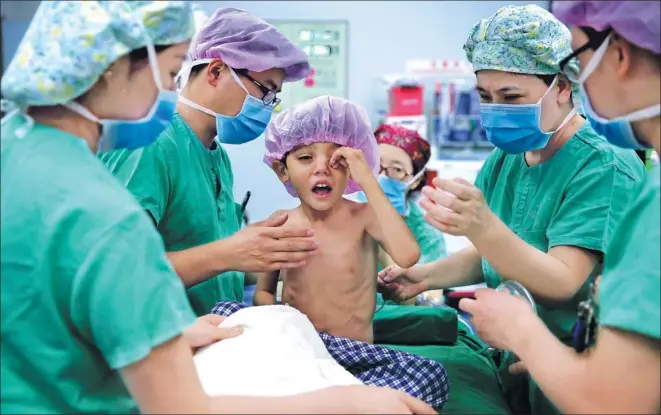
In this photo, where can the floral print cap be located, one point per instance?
(520, 39)
(69, 44)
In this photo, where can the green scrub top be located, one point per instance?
(430, 240)
(576, 198)
(86, 285)
(187, 189)
(629, 290)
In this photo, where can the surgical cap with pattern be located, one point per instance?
(70, 44)
(325, 119)
(637, 21)
(166, 22)
(521, 39)
(244, 41)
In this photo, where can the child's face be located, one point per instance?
(317, 184)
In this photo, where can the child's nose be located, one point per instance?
(322, 165)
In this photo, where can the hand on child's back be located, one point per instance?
(354, 160)
(268, 246)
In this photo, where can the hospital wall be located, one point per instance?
(383, 35)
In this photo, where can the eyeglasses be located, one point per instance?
(595, 39)
(268, 95)
(394, 172)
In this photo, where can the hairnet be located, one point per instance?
(166, 22)
(244, 41)
(408, 140)
(636, 21)
(69, 44)
(324, 119)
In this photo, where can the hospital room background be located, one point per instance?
(402, 60)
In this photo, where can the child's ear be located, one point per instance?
(281, 170)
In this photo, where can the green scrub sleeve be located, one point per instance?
(486, 171)
(593, 205)
(430, 240)
(630, 288)
(146, 173)
(126, 298)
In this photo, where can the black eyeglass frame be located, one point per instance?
(269, 96)
(595, 39)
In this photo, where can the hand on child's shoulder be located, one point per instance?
(281, 212)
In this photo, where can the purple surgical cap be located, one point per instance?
(325, 119)
(244, 41)
(636, 21)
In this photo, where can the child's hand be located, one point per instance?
(354, 160)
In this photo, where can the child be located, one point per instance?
(321, 150)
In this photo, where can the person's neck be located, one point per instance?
(649, 131)
(557, 140)
(321, 216)
(203, 125)
(70, 122)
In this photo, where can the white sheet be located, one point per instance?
(278, 354)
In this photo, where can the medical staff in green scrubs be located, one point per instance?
(547, 201)
(79, 304)
(184, 180)
(404, 155)
(94, 319)
(618, 44)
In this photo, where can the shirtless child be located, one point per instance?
(321, 150)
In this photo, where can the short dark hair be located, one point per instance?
(140, 57)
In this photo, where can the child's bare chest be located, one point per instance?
(346, 254)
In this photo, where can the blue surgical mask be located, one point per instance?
(132, 134)
(515, 128)
(244, 127)
(395, 191)
(617, 131)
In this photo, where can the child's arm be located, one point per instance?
(384, 223)
(267, 285)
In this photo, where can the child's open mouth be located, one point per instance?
(322, 190)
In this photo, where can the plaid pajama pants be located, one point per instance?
(376, 365)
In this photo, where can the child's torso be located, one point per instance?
(336, 289)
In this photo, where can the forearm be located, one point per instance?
(307, 403)
(396, 237)
(267, 288)
(514, 259)
(200, 263)
(561, 373)
(459, 269)
(264, 298)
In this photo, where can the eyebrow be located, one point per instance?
(397, 163)
(503, 89)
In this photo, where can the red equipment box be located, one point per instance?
(406, 100)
